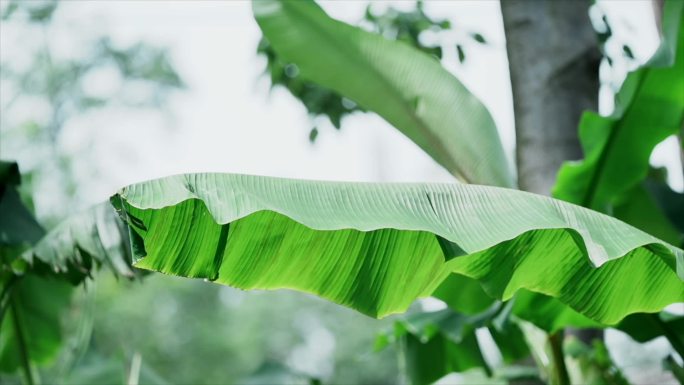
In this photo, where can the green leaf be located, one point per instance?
(453, 325)
(645, 327)
(30, 304)
(31, 329)
(442, 342)
(9, 173)
(548, 313)
(593, 363)
(428, 361)
(461, 53)
(677, 370)
(511, 343)
(313, 134)
(375, 248)
(670, 202)
(403, 85)
(641, 210)
(93, 238)
(648, 108)
(463, 294)
(22, 228)
(478, 38)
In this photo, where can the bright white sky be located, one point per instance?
(226, 120)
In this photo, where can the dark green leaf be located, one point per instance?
(463, 294)
(31, 329)
(461, 53)
(478, 38)
(648, 108)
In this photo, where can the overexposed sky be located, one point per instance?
(227, 121)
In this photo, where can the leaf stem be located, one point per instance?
(21, 344)
(560, 371)
(5, 296)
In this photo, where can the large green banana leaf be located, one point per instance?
(648, 108)
(378, 247)
(407, 87)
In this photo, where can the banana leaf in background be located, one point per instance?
(30, 303)
(649, 107)
(37, 283)
(376, 247)
(442, 342)
(405, 86)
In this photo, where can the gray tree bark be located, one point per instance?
(658, 13)
(553, 59)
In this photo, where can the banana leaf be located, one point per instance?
(649, 107)
(30, 304)
(442, 342)
(405, 86)
(378, 247)
(93, 238)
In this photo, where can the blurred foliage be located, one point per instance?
(30, 300)
(393, 24)
(438, 343)
(144, 79)
(193, 333)
(32, 11)
(593, 363)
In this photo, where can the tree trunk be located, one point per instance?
(553, 59)
(658, 13)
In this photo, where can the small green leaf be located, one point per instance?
(478, 38)
(461, 53)
(313, 134)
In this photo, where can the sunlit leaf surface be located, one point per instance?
(375, 247)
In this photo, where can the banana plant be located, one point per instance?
(375, 247)
(34, 292)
